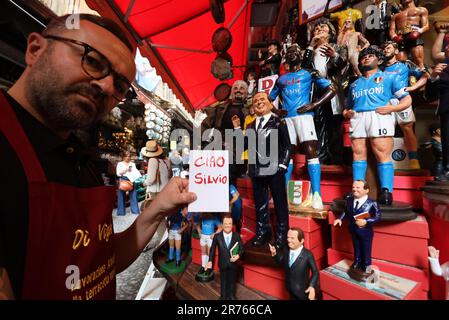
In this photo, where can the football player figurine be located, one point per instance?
(294, 88)
(206, 232)
(441, 271)
(406, 118)
(176, 224)
(407, 27)
(362, 213)
(371, 117)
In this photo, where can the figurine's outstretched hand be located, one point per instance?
(337, 222)
(236, 121)
(434, 253)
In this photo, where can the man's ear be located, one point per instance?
(36, 45)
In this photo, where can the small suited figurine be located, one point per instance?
(230, 249)
(298, 263)
(362, 213)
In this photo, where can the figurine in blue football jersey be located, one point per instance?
(295, 88)
(406, 118)
(371, 116)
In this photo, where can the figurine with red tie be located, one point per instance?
(362, 213)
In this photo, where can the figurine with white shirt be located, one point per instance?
(437, 269)
(362, 213)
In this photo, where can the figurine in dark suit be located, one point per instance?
(225, 240)
(268, 162)
(297, 262)
(362, 213)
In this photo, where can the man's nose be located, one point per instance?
(106, 84)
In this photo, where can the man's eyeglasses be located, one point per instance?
(97, 66)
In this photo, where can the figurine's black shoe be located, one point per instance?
(385, 197)
(260, 240)
(178, 263)
(201, 271)
(169, 260)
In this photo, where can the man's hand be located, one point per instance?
(311, 292)
(234, 258)
(208, 265)
(385, 109)
(172, 197)
(434, 253)
(438, 70)
(337, 222)
(272, 250)
(328, 50)
(348, 113)
(306, 108)
(235, 121)
(360, 222)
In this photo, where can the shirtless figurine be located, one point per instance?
(406, 29)
(350, 38)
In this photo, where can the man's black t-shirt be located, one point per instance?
(63, 161)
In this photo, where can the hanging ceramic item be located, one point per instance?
(221, 40)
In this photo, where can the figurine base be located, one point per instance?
(201, 277)
(308, 212)
(171, 268)
(398, 211)
(359, 275)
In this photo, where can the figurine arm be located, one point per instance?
(420, 83)
(275, 91)
(393, 33)
(435, 267)
(185, 225)
(284, 138)
(364, 41)
(314, 269)
(241, 247)
(375, 211)
(437, 53)
(424, 20)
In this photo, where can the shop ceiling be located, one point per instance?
(176, 36)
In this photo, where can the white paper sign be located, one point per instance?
(209, 179)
